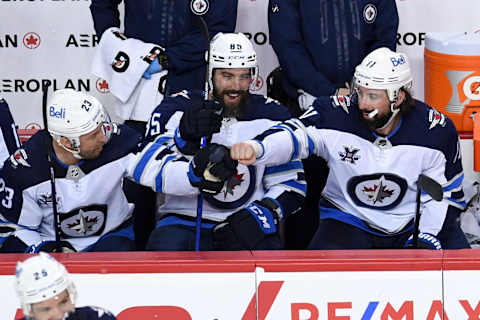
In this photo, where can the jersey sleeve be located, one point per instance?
(9, 141)
(286, 186)
(105, 15)
(161, 167)
(20, 214)
(446, 168)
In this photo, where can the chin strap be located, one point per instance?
(75, 152)
(392, 116)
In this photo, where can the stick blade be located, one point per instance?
(432, 187)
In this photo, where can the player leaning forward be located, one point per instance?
(376, 142)
(46, 292)
(243, 209)
(90, 157)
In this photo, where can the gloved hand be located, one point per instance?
(201, 120)
(425, 241)
(51, 246)
(211, 167)
(154, 67)
(246, 228)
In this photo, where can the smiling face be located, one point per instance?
(231, 87)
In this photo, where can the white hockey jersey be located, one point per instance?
(372, 179)
(90, 199)
(163, 168)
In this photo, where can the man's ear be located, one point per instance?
(66, 143)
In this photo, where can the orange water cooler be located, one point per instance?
(452, 80)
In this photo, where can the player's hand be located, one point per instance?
(211, 167)
(425, 241)
(246, 228)
(244, 153)
(201, 120)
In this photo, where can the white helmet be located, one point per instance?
(71, 114)
(231, 51)
(386, 70)
(40, 278)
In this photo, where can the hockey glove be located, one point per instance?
(201, 120)
(211, 167)
(246, 228)
(425, 241)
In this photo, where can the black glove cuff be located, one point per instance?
(273, 207)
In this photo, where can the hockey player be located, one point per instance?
(46, 292)
(245, 211)
(90, 157)
(376, 149)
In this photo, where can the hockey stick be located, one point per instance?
(200, 8)
(49, 150)
(432, 188)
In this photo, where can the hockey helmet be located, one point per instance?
(71, 114)
(386, 70)
(40, 278)
(232, 51)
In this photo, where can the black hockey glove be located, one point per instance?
(211, 167)
(199, 121)
(248, 227)
(425, 241)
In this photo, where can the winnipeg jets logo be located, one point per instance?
(83, 224)
(436, 118)
(235, 181)
(349, 154)
(382, 191)
(237, 191)
(378, 192)
(370, 13)
(199, 7)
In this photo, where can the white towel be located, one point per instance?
(120, 61)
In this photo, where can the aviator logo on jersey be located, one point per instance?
(377, 191)
(237, 190)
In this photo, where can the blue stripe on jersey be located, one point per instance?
(296, 164)
(454, 184)
(460, 203)
(311, 145)
(158, 178)
(332, 213)
(295, 142)
(296, 185)
(178, 139)
(137, 173)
